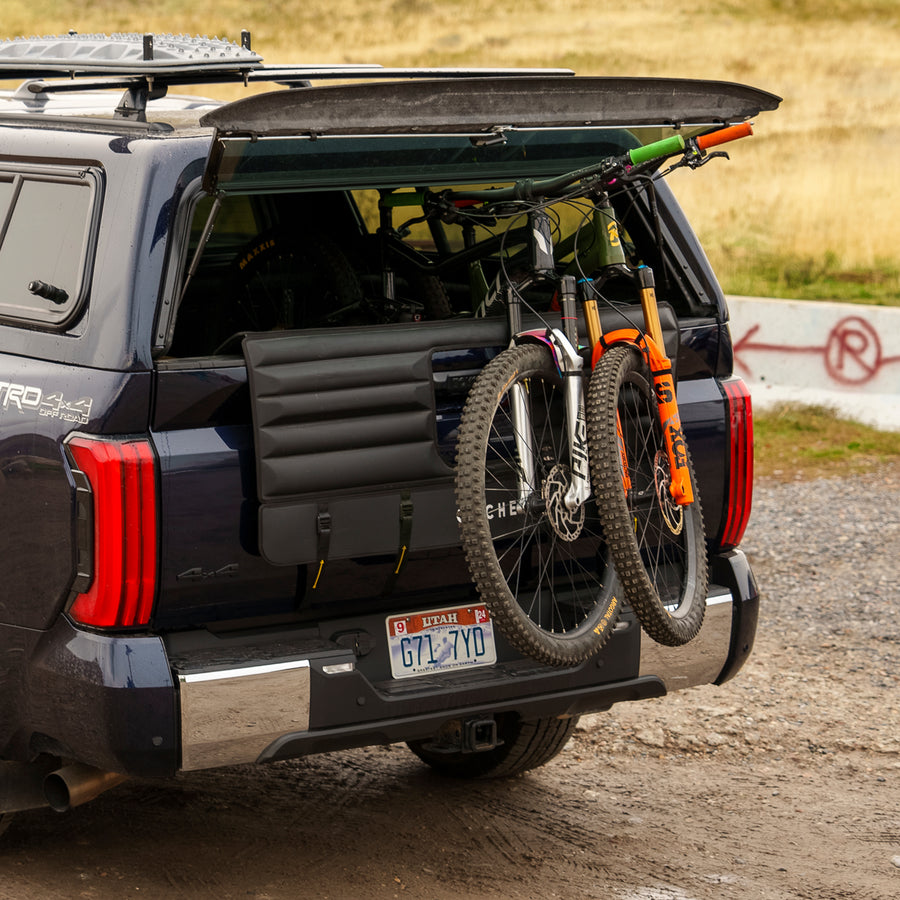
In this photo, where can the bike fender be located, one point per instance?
(537, 336)
(632, 336)
(560, 347)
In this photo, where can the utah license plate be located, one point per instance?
(440, 640)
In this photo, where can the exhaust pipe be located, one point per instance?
(76, 784)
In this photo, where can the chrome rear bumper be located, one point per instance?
(701, 660)
(235, 715)
(231, 716)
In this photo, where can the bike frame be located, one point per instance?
(563, 344)
(608, 257)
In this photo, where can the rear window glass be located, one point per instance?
(305, 236)
(45, 238)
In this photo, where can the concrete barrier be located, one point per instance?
(837, 354)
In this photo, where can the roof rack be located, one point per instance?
(150, 55)
(146, 65)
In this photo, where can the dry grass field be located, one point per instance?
(805, 208)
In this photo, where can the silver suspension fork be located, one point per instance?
(520, 410)
(580, 486)
(521, 417)
(570, 365)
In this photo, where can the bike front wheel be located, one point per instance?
(542, 567)
(659, 547)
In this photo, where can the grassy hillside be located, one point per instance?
(805, 208)
(793, 441)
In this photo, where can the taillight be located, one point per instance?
(739, 495)
(122, 478)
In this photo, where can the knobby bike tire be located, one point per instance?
(429, 290)
(286, 282)
(544, 572)
(412, 285)
(659, 548)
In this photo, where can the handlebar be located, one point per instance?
(402, 198)
(670, 146)
(605, 171)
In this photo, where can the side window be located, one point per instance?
(46, 236)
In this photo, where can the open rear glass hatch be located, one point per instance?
(483, 111)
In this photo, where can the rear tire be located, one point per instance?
(659, 547)
(430, 291)
(526, 745)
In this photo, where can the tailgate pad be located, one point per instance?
(344, 435)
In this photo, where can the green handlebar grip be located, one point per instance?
(404, 198)
(658, 149)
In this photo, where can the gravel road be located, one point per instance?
(783, 783)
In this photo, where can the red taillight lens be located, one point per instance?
(740, 463)
(122, 476)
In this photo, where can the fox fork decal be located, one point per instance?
(681, 489)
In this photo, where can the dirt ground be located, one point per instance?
(784, 783)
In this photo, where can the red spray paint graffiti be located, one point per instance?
(852, 354)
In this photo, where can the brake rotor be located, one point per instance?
(567, 523)
(672, 513)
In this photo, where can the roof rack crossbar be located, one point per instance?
(287, 75)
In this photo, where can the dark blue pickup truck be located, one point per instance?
(229, 396)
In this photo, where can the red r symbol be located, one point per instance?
(853, 351)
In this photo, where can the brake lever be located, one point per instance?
(695, 158)
(702, 160)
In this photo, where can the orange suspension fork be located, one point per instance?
(664, 389)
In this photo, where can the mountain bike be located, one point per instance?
(567, 496)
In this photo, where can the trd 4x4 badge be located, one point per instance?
(23, 397)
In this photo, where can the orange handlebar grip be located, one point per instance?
(724, 135)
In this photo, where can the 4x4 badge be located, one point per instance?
(24, 398)
(201, 574)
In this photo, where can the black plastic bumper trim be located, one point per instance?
(733, 570)
(419, 727)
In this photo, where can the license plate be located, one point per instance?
(440, 640)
